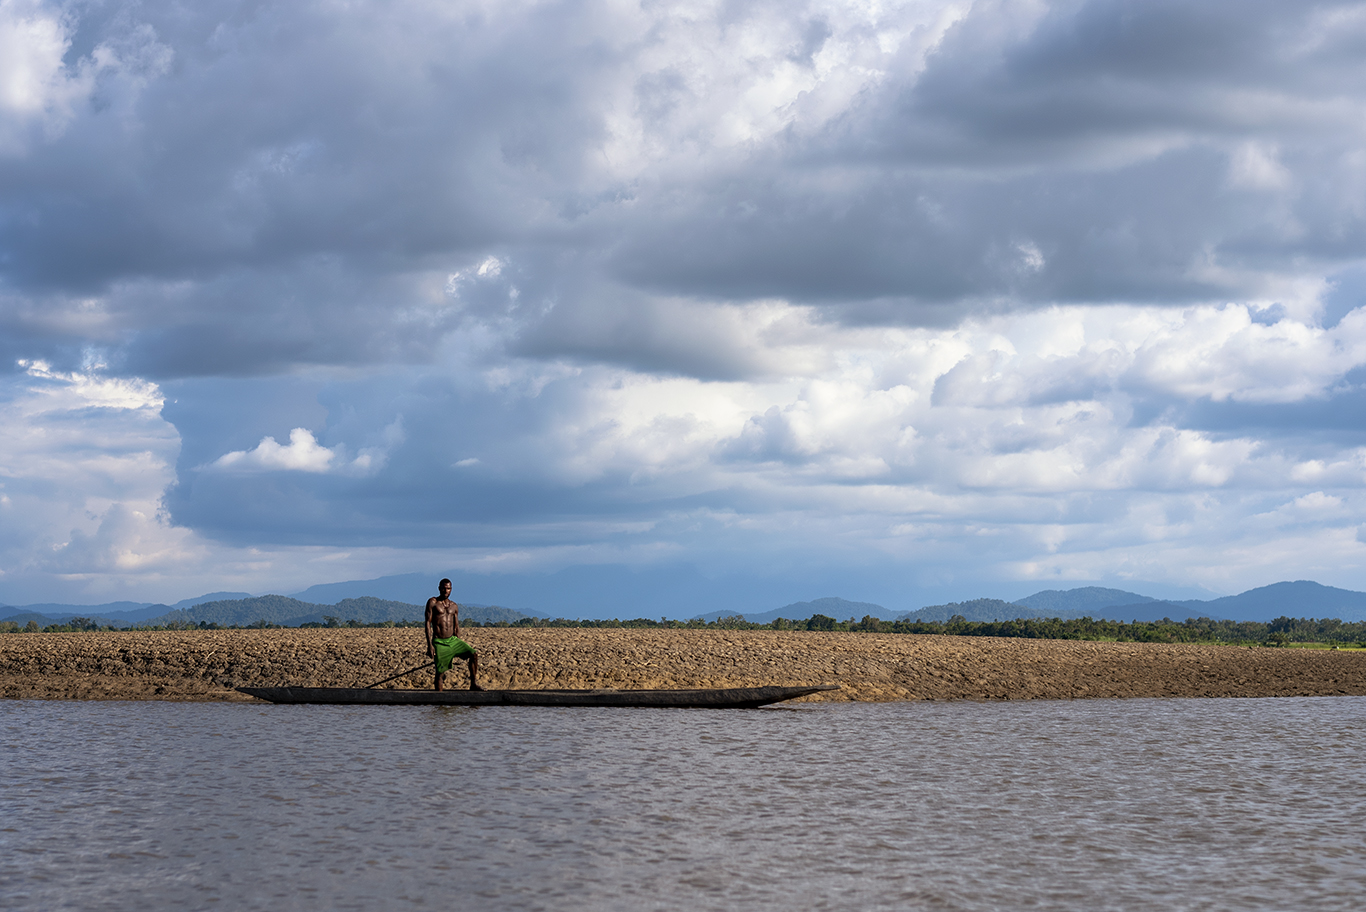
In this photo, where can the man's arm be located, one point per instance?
(431, 650)
(455, 617)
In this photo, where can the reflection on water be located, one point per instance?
(1141, 804)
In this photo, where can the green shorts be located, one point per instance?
(447, 648)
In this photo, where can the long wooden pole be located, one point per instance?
(400, 674)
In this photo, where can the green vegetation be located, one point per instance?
(1283, 631)
(1280, 632)
(330, 621)
(80, 625)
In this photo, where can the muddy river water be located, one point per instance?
(1075, 805)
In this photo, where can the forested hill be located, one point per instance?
(1111, 604)
(983, 609)
(289, 612)
(1301, 598)
(830, 607)
(1085, 599)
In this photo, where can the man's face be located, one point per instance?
(445, 590)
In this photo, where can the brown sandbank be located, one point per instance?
(207, 664)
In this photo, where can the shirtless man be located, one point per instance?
(443, 637)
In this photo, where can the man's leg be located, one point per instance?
(440, 658)
(474, 672)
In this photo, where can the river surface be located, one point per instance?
(1087, 805)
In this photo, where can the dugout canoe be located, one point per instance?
(715, 698)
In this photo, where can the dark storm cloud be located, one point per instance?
(260, 184)
(247, 187)
(268, 134)
(1088, 80)
(1092, 155)
(1129, 235)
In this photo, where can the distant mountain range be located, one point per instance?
(1302, 598)
(273, 609)
(291, 612)
(837, 608)
(401, 597)
(985, 609)
(116, 614)
(1087, 598)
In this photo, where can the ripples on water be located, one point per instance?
(1125, 805)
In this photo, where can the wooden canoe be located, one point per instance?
(723, 698)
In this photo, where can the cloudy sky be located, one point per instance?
(894, 301)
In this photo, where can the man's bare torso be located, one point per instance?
(444, 616)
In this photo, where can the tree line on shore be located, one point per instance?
(1279, 632)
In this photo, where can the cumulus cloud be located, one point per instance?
(304, 454)
(42, 92)
(35, 90)
(83, 463)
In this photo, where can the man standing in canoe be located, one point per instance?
(443, 637)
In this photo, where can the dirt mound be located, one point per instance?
(207, 664)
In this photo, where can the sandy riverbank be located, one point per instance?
(206, 665)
